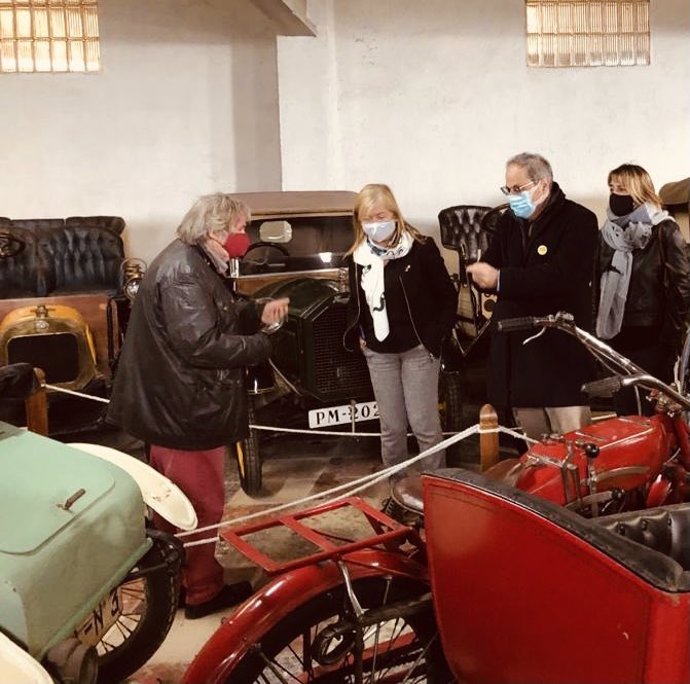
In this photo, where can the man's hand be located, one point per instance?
(484, 275)
(275, 311)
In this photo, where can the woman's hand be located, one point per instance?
(275, 311)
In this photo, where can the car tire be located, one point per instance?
(452, 410)
(248, 458)
(150, 596)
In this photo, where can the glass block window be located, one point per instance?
(49, 36)
(571, 33)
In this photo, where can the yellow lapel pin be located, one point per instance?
(542, 249)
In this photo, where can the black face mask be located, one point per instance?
(621, 205)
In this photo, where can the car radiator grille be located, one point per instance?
(339, 374)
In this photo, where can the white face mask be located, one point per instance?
(379, 231)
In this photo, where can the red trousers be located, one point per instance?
(201, 476)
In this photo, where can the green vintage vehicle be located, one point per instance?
(87, 591)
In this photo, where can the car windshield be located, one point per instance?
(297, 243)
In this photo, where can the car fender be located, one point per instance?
(284, 594)
(158, 492)
(18, 666)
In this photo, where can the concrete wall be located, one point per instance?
(433, 97)
(186, 103)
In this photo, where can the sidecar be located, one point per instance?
(528, 591)
(86, 590)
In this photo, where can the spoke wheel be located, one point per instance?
(148, 606)
(316, 643)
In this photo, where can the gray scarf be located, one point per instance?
(624, 234)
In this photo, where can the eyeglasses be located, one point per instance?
(516, 189)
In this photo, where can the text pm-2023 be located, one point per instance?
(340, 415)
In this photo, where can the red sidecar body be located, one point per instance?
(527, 591)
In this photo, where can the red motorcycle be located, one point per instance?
(504, 584)
(622, 463)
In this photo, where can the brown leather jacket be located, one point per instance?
(180, 381)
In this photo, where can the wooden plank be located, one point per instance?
(36, 406)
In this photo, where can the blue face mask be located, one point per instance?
(379, 231)
(522, 205)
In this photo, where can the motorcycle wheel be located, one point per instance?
(149, 604)
(248, 459)
(302, 647)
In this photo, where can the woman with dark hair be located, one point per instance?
(402, 304)
(641, 279)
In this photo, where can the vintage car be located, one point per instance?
(63, 308)
(299, 240)
(88, 590)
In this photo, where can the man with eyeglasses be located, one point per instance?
(540, 262)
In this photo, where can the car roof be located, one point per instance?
(298, 202)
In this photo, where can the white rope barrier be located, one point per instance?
(55, 388)
(350, 488)
(341, 491)
(267, 428)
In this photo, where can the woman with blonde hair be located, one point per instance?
(402, 304)
(641, 281)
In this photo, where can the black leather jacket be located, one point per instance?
(180, 377)
(429, 291)
(659, 289)
(542, 271)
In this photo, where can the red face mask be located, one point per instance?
(237, 244)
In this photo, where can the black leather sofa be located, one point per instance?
(50, 257)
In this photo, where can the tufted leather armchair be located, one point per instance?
(461, 230)
(468, 229)
(61, 256)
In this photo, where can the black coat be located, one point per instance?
(428, 289)
(180, 381)
(17, 381)
(543, 273)
(659, 287)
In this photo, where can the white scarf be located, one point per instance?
(372, 258)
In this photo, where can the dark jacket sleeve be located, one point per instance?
(351, 335)
(17, 381)
(676, 284)
(195, 332)
(441, 289)
(571, 265)
(493, 254)
(249, 314)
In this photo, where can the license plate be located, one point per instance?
(339, 415)
(102, 618)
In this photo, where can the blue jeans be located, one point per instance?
(406, 390)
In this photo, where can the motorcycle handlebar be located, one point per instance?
(522, 323)
(631, 374)
(606, 387)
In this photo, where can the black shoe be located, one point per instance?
(228, 596)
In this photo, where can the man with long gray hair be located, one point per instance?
(180, 385)
(539, 263)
